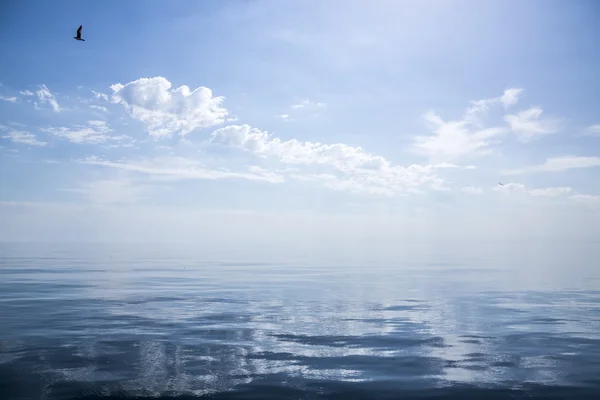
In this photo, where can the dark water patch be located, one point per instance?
(362, 341)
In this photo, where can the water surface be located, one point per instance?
(125, 321)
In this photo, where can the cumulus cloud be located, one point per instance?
(178, 168)
(356, 169)
(24, 137)
(95, 132)
(558, 164)
(168, 111)
(529, 124)
(45, 96)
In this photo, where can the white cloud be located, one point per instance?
(169, 111)
(510, 96)
(96, 132)
(9, 99)
(479, 108)
(467, 136)
(24, 137)
(284, 117)
(542, 192)
(455, 139)
(99, 108)
(45, 96)
(558, 164)
(339, 155)
(178, 168)
(593, 130)
(358, 170)
(100, 96)
(308, 103)
(529, 124)
(27, 93)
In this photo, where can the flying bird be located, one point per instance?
(500, 183)
(78, 37)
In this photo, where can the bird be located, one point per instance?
(500, 183)
(78, 37)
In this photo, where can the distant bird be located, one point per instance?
(78, 37)
(500, 183)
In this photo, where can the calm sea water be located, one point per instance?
(125, 321)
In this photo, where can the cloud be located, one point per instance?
(558, 164)
(452, 140)
(96, 132)
(9, 99)
(529, 124)
(100, 96)
(169, 111)
(511, 96)
(178, 168)
(543, 192)
(46, 97)
(341, 156)
(467, 136)
(593, 130)
(27, 93)
(307, 103)
(356, 169)
(99, 108)
(284, 117)
(24, 137)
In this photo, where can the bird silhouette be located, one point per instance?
(78, 37)
(500, 183)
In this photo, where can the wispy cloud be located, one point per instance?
(543, 192)
(586, 198)
(593, 130)
(24, 137)
(99, 108)
(11, 99)
(558, 164)
(306, 103)
(169, 111)
(529, 124)
(45, 96)
(284, 117)
(96, 132)
(179, 168)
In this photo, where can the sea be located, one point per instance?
(135, 321)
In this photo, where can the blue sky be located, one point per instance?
(178, 120)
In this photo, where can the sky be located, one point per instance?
(272, 123)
